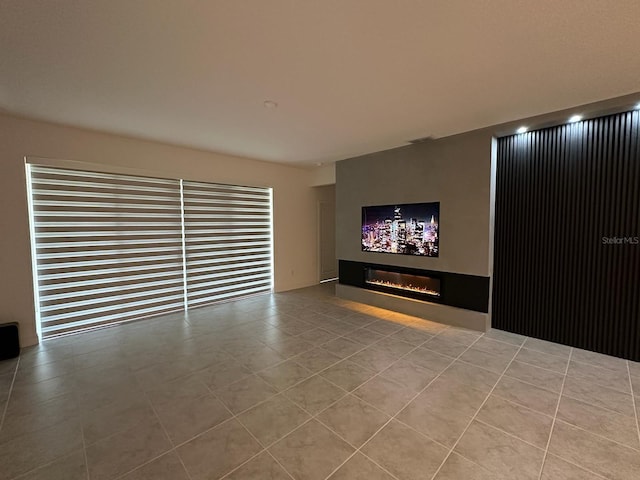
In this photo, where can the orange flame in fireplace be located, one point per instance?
(408, 287)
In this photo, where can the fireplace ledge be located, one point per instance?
(458, 317)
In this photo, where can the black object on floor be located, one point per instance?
(9, 341)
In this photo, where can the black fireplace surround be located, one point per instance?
(470, 292)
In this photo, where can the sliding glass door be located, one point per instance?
(110, 248)
(228, 241)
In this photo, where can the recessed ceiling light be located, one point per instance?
(522, 130)
(638, 106)
(270, 104)
(575, 118)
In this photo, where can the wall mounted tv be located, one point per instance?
(408, 229)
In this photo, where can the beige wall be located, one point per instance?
(295, 203)
(324, 175)
(455, 171)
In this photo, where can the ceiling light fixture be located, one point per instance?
(270, 104)
(522, 130)
(575, 118)
(638, 106)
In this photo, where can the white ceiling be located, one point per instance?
(350, 76)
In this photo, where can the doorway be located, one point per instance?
(327, 262)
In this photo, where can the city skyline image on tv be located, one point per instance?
(407, 229)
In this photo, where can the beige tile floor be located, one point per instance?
(304, 385)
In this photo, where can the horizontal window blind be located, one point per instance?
(108, 247)
(227, 241)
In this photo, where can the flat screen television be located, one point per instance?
(407, 229)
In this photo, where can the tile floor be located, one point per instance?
(304, 385)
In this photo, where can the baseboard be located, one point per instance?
(28, 340)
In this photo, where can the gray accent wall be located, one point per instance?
(455, 171)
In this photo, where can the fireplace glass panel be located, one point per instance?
(403, 282)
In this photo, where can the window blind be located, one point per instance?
(108, 247)
(227, 241)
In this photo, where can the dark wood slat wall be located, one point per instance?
(559, 192)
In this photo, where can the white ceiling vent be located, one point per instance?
(429, 138)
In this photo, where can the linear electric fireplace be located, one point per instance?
(430, 286)
(404, 284)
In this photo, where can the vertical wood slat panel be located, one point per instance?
(559, 191)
